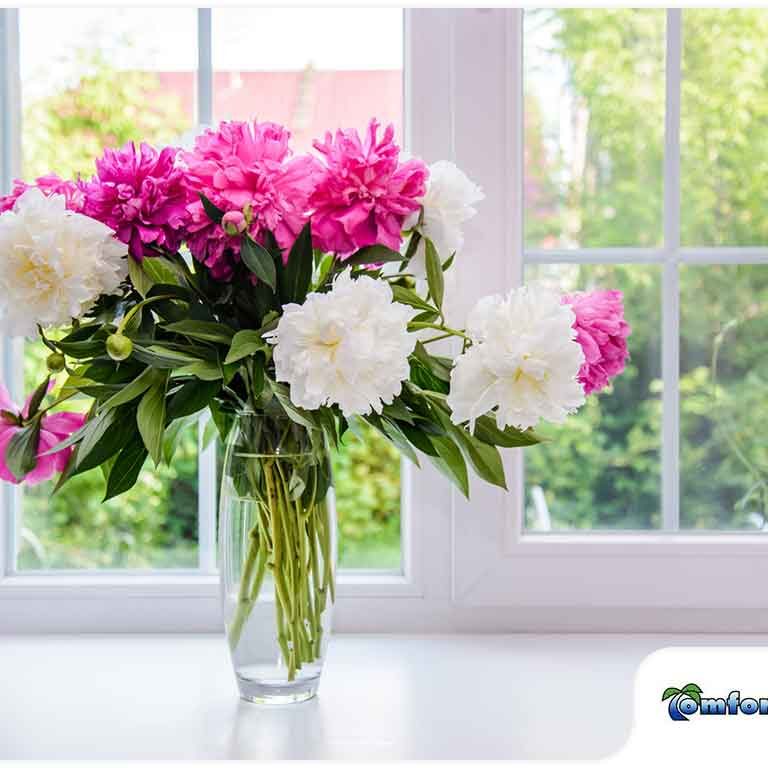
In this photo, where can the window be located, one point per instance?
(594, 180)
(615, 147)
(71, 99)
(99, 97)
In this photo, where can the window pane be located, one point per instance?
(152, 526)
(314, 70)
(724, 142)
(594, 127)
(602, 468)
(723, 386)
(96, 77)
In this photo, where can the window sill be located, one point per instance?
(407, 697)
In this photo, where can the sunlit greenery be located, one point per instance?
(602, 469)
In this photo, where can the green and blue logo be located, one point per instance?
(688, 700)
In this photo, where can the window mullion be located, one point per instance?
(204, 67)
(206, 457)
(670, 337)
(10, 166)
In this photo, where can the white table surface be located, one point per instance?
(395, 697)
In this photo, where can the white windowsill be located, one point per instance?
(396, 697)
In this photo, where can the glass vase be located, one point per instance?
(277, 539)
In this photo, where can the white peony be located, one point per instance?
(349, 346)
(53, 263)
(448, 204)
(524, 360)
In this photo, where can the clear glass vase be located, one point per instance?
(277, 540)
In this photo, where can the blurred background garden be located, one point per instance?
(594, 150)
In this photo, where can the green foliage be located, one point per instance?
(105, 107)
(367, 482)
(602, 468)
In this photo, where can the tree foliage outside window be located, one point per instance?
(593, 179)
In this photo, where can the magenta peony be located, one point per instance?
(55, 428)
(602, 333)
(247, 170)
(365, 193)
(50, 184)
(139, 193)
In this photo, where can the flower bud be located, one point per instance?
(233, 222)
(55, 362)
(119, 347)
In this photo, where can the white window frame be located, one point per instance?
(468, 565)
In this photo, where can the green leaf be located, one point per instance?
(294, 413)
(125, 470)
(450, 462)
(410, 251)
(693, 691)
(171, 436)
(107, 434)
(162, 357)
(150, 418)
(422, 376)
(259, 260)
(399, 440)
(296, 485)
(669, 692)
(411, 298)
(434, 273)
(418, 438)
(223, 419)
(487, 431)
(204, 370)
(21, 452)
(213, 212)
(448, 263)
(202, 330)
(81, 350)
(245, 343)
(298, 271)
(396, 410)
(485, 459)
(371, 254)
(153, 271)
(37, 397)
(137, 387)
(192, 397)
(439, 366)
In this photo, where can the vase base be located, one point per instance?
(259, 692)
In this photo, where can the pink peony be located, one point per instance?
(246, 169)
(602, 333)
(365, 193)
(55, 428)
(48, 185)
(139, 194)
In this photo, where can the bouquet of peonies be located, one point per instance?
(305, 291)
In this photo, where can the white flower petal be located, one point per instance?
(55, 263)
(524, 362)
(349, 347)
(447, 204)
